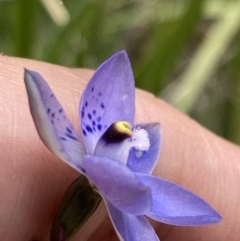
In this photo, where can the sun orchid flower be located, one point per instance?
(117, 156)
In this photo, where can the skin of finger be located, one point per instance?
(33, 180)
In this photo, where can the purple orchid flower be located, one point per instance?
(117, 156)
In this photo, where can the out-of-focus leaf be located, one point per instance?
(90, 28)
(232, 115)
(207, 58)
(57, 11)
(25, 27)
(152, 70)
(53, 50)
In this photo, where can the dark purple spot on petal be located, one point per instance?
(102, 106)
(60, 110)
(92, 89)
(62, 138)
(86, 104)
(72, 137)
(89, 129)
(99, 127)
(53, 115)
(48, 110)
(94, 112)
(99, 119)
(89, 116)
(99, 93)
(68, 130)
(84, 132)
(94, 129)
(93, 123)
(51, 95)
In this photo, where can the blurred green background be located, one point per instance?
(184, 51)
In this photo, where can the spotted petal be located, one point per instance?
(109, 97)
(130, 227)
(175, 205)
(118, 184)
(53, 127)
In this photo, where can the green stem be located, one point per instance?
(24, 27)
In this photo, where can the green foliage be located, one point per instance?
(166, 42)
(185, 51)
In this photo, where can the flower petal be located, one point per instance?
(118, 184)
(175, 205)
(145, 161)
(130, 227)
(108, 97)
(53, 127)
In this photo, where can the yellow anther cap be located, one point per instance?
(123, 127)
(118, 132)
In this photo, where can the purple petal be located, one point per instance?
(145, 161)
(118, 184)
(143, 148)
(130, 227)
(53, 127)
(109, 97)
(175, 205)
